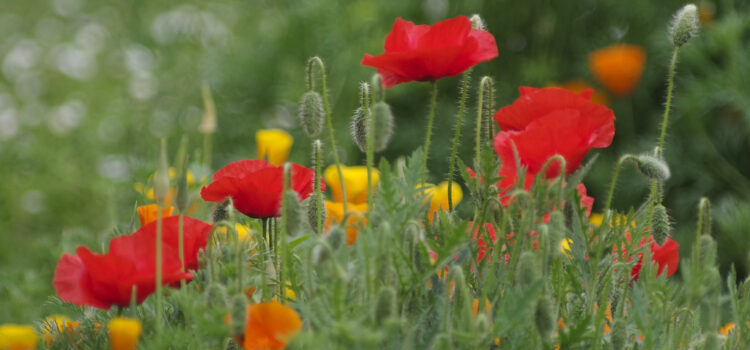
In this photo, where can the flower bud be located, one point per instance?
(483, 325)
(476, 22)
(383, 128)
(292, 218)
(124, 333)
(662, 225)
(358, 128)
(386, 305)
(310, 206)
(336, 237)
(208, 123)
(378, 90)
(527, 271)
(708, 251)
(619, 334)
(238, 312)
(222, 211)
(312, 113)
(684, 25)
(215, 296)
(544, 319)
(652, 167)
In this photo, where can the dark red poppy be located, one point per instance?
(545, 122)
(103, 280)
(666, 256)
(425, 53)
(256, 185)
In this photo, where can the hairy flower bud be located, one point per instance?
(708, 251)
(684, 25)
(385, 306)
(476, 22)
(619, 334)
(222, 211)
(312, 113)
(544, 319)
(292, 217)
(662, 225)
(652, 167)
(215, 296)
(336, 237)
(358, 128)
(527, 271)
(383, 128)
(310, 205)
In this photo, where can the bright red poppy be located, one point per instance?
(545, 122)
(103, 280)
(256, 186)
(426, 53)
(666, 256)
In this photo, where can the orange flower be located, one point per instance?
(270, 326)
(578, 85)
(147, 213)
(475, 307)
(355, 219)
(618, 67)
(729, 327)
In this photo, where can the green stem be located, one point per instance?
(159, 302)
(428, 136)
(207, 144)
(370, 143)
(480, 114)
(329, 123)
(318, 196)
(668, 104)
(457, 135)
(613, 183)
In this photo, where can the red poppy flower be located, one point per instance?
(256, 185)
(545, 122)
(666, 256)
(103, 280)
(481, 245)
(425, 53)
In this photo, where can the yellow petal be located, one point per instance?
(17, 337)
(565, 247)
(355, 219)
(273, 145)
(124, 333)
(148, 213)
(355, 180)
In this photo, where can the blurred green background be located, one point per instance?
(88, 87)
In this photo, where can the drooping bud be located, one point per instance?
(222, 211)
(208, 124)
(527, 271)
(161, 179)
(662, 224)
(619, 334)
(358, 128)
(312, 113)
(476, 22)
(383, 128)
(684, 25)
(385, 306)
(544, 319)
(652, 167)
(292, 219)
(215, 296)
(238, 313)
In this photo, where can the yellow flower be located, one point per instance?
(148, 189)
(618, 67)
(597, 219)
(729, 327)
(565, 247)
(243, 231)
(54, 325)
(124, 333)
(355, 219)
(438, 196)
(147, 213)
(15, 337)
(273, 145)
(355, 180)
(289, 292)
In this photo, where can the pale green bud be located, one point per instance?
(662, 225)
(652, 167)
(292, 209)
(238, 312)
(476, 22)
(385, 306)
(527, 271)
(684, 25)
(544, 318)
(358, 128)
(383, 128)
(312, 113)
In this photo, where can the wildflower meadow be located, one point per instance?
(427, 175)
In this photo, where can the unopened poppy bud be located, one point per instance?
(544, 319)
(684, 25)
(385, 306)
(292, 218)
(483, 324)
(222, 210)
(124, 333)
(311, 113)
(527, 271)
(336, 237)
(713, 341)
(238, 312)
(619, 334)
(662, 224)
(215, 296)
(708, 251)
(383, 129)
(378, 90)
(208, 123)
(459, 297)
(310, 206)
(358, 128)
(161, 179)
(442, 342)
(320, 254)
(476, 22)
(652, 167)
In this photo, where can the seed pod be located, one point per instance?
(619, 334)
(684, 25)
(652, 167)
(386, 305)
(238, 310)
(222, 211)
(215, 296)
(662, 224)
(544, 319)
(358, 128)
(527, 271)
(383, 128)
(312, 113)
